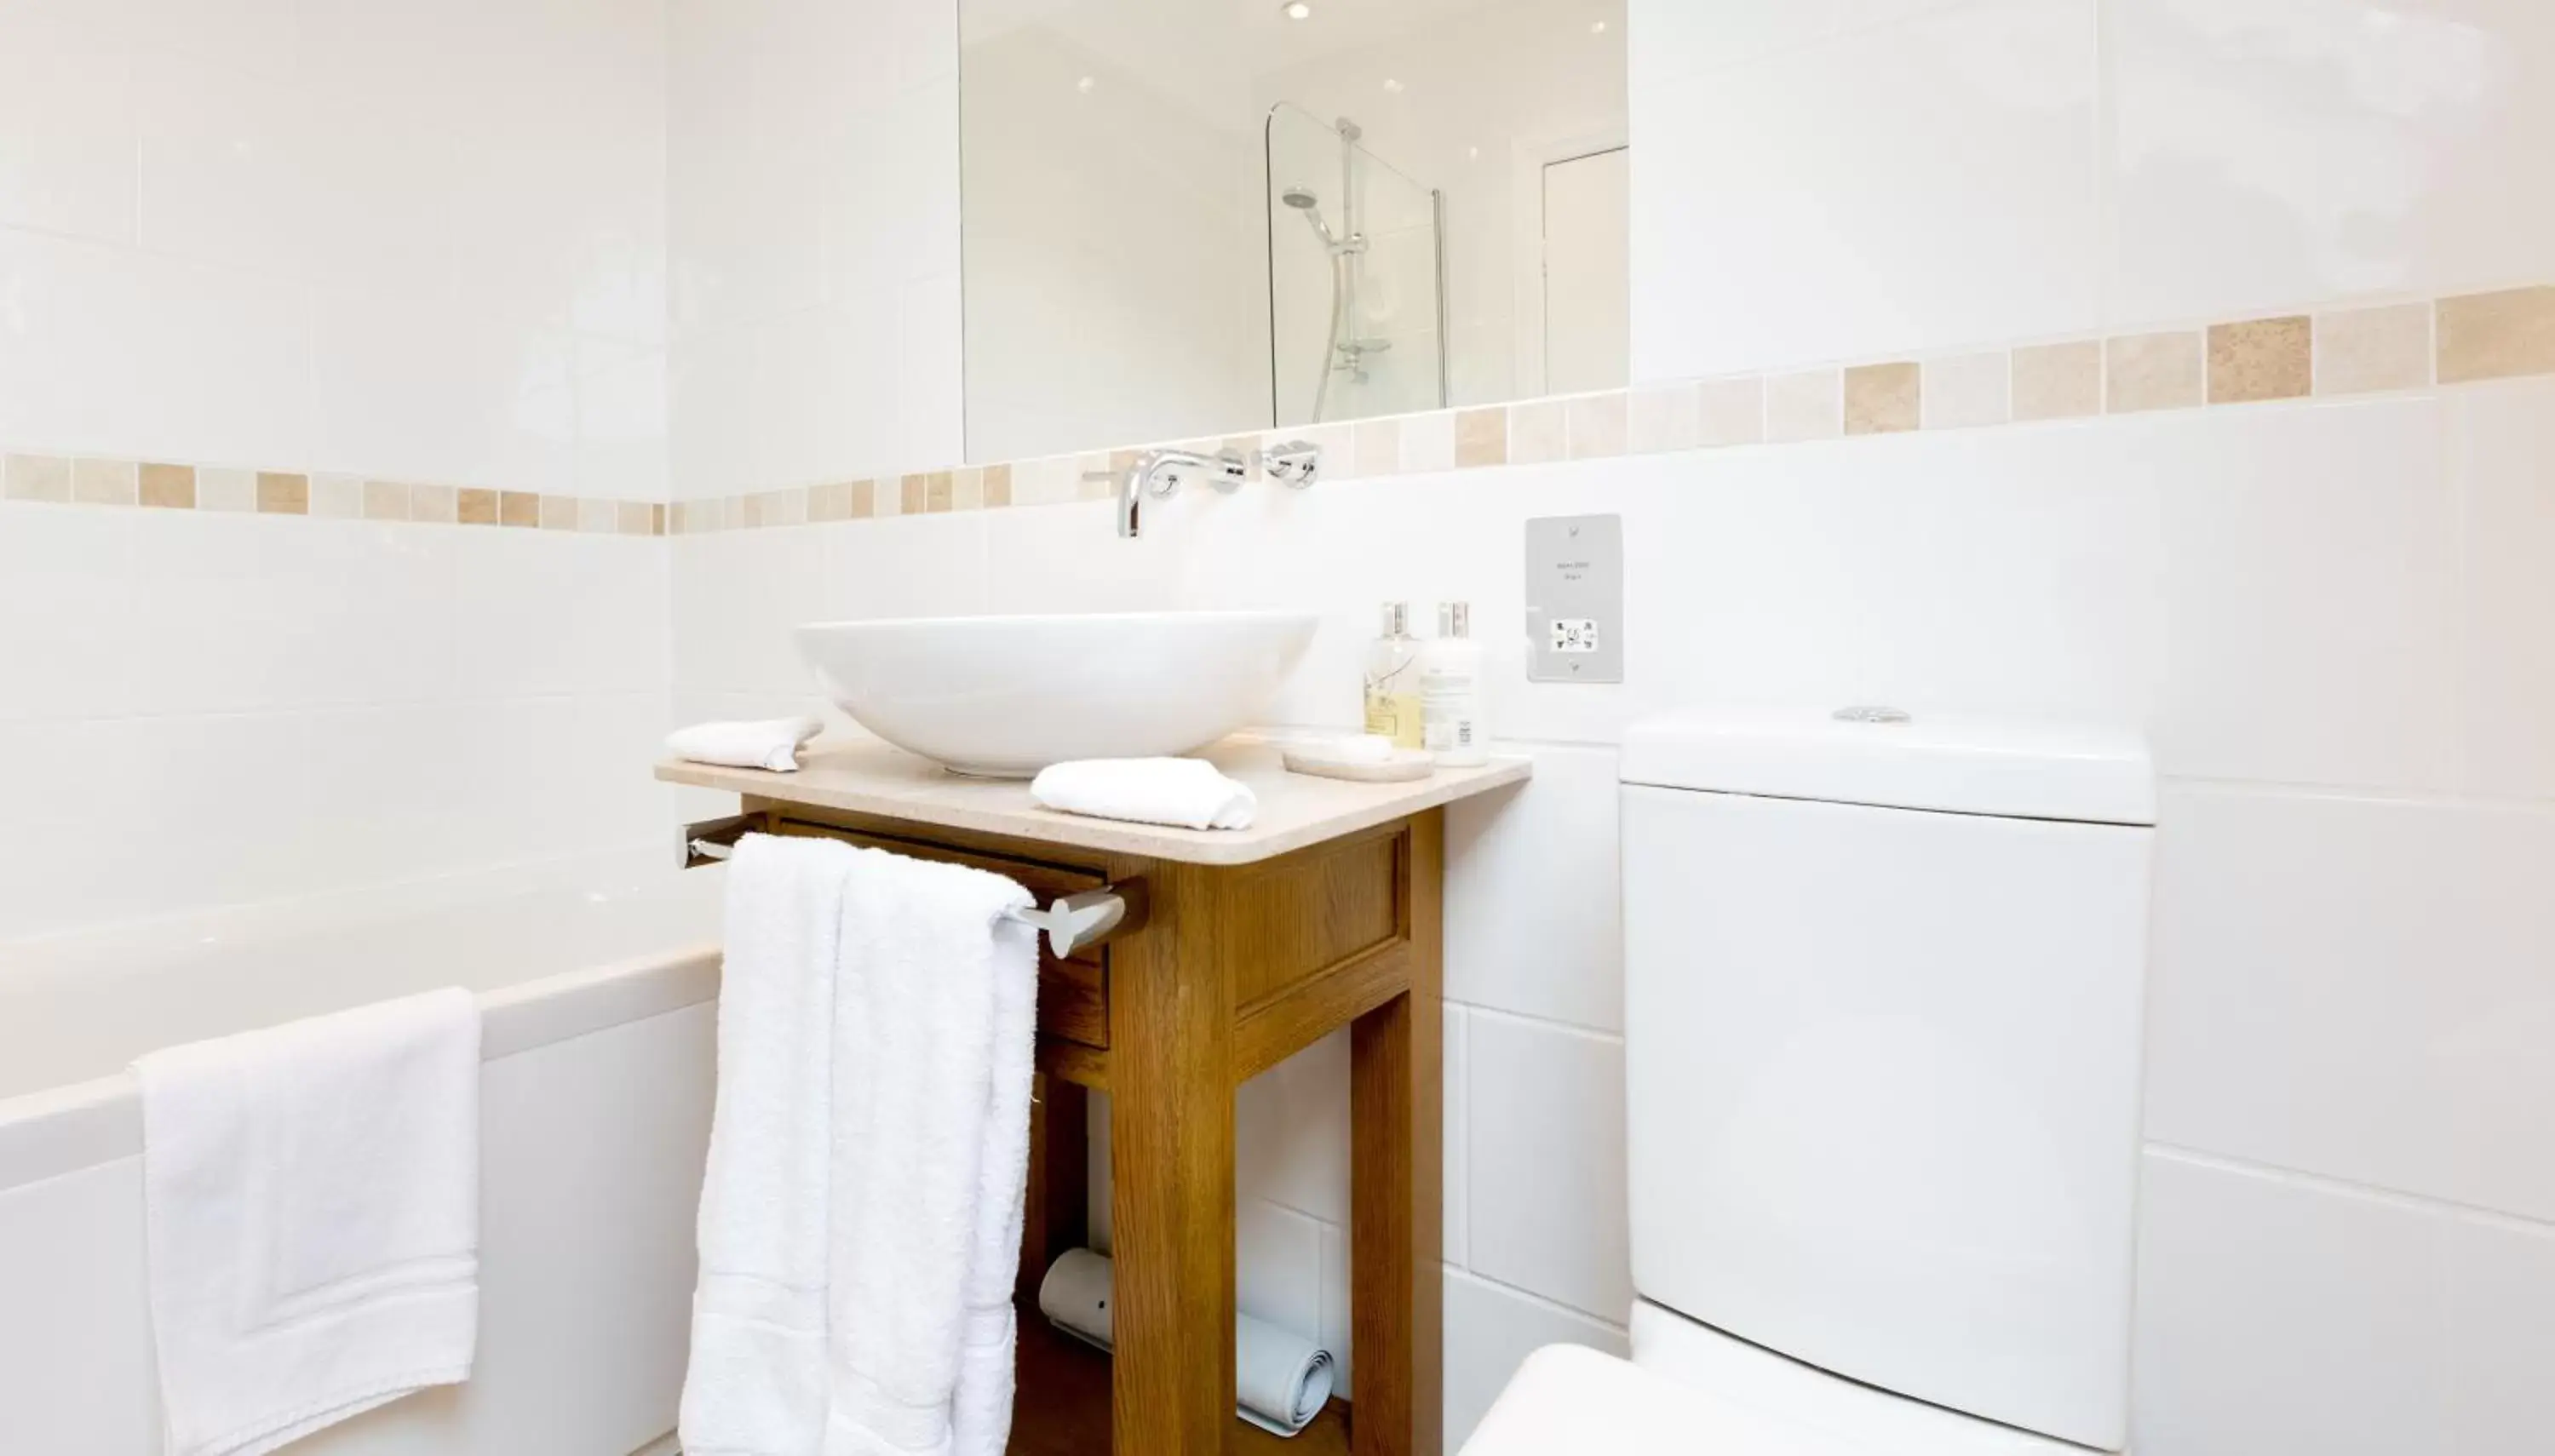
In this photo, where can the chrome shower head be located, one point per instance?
(1302, 199)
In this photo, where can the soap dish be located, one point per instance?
(1402, 766)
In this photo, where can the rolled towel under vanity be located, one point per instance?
(1283, 1379)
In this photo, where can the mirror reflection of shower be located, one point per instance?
(1375, 249)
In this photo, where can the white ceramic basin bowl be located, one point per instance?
(1005, 696)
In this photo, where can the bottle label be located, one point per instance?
(1447, 706)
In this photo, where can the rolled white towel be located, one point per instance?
(1188, 794)
(771, 744)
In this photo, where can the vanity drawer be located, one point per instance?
(1073, 993)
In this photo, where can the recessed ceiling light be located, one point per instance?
(1393, 85)
(1597, 28)
(1297, 10)
(1085, 84)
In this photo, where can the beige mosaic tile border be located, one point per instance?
(2339, 351)
(2343, 350)
(158, 486)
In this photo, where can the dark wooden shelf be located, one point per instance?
(1063, 1409)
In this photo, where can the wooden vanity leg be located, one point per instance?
(1170, 1158)
(1397, 1091)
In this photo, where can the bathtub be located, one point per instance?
(598, 992)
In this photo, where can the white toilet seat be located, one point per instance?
(1699, 1392)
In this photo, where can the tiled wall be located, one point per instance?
(813, 199)
(2322, 592)
(278, 283)
(2340, 351)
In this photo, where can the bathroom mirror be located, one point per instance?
(1193, 218)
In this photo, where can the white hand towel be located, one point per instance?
(757, 1382)
(773, 744)
(860, 1225)
(1186, 793)
(931, 1152)
(311, 1203)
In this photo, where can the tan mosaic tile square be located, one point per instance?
(439, 504)
(1730, 411)
(38, 478)
(2058, 381)
(1480, 438)
(1539, 431)
(638, 518)
(339, 497)
(106, 482)
(225, 490)
(997, 480)
(474, 506)
(2152, 371)
(280, 493)
(2260, 359)
(1882, 398)
(2497, 336)
(1804, 407)
(385, 500)
(168, 487)
(2365, 350)
(1599, 425)
(519, 508)
(559, 513)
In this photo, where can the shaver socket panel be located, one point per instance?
(1574, 599)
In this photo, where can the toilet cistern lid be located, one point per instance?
(1892, 758)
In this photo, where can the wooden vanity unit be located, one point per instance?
(1238, 949)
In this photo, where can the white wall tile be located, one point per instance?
(66, 108)
(2355, 988)
(2274, 1316)
(1909, 187)
(1278, 1266)
(2501, 444)
(1457, 1128)
(1291, 1131)
(1490, 1331)
(2309, 582)
(2280, 151)
(1533, 895)
(1544, 1162)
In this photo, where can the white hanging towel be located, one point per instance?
(857, 1265)
(1189, 794)
(312, 1204)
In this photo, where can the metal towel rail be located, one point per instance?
(1072, 924)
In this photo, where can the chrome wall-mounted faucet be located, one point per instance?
(1160, 474)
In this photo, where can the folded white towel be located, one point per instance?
(860, 1225)
(311, 1194)
(771, 744)
(1187, 793)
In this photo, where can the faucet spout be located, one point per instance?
(1157, 473)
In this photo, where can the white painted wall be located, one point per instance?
(410, 242)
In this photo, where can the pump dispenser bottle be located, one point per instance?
(1393, 706)
(1450, 692)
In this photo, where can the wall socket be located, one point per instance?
(1574, 599)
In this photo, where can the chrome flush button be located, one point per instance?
(1871, 713)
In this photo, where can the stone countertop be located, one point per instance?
(1295, 810)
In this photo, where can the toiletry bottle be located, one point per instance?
(1393, 681)
(1450, 690)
